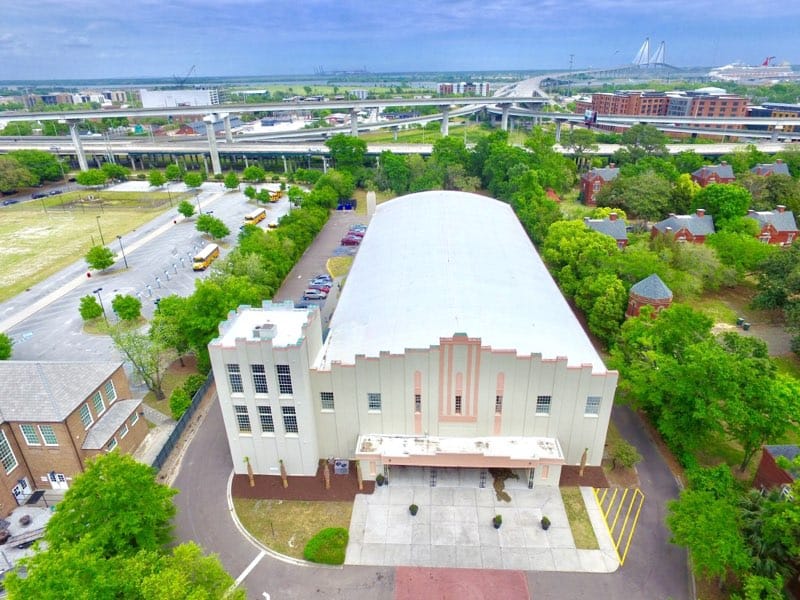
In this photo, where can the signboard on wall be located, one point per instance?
(341, 466)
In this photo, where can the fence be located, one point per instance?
(173, 438)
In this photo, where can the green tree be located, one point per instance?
(43, 165)
(173, 173)
(193, 179)
(115, 172)
(625, 454)
(212, 226)
(13, 175)
(166, 327)
(156, 178)
(645, 196)
(643, 140)
(340, 181)
(99, 258)
(6, 345)
(179, 401)
(186, 208)
(90, 308)
(688, 161)
(581, 142)
(150, 357)
(723, 201)
(741, 251)
(92, 177)
(347, 152)
(250, 192)
(393, 172)
(254, 174)
(683, 192)
(128, 308)
(231, 180)
(118, 505)
(449, 151)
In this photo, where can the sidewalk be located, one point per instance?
(156, 437)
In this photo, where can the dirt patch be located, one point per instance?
(620, 477)
(500, 476)
(343, 487)
(592, 477)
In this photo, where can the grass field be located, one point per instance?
(38, 239)
(286, 526)
(579, 523)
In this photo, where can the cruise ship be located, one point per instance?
(766, 71)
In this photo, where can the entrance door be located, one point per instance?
(21, 491)
(58, 481)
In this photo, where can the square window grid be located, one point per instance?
(593, 405)
(30, 435)
(373, 401)
(235, 378)
(326, 400)
(242, 418)
(458, 405)
(49, 435)
(543, 404)
(284, 379)
(259, 379)
(289, 419)
(265, 417)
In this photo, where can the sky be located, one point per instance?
(75, 39)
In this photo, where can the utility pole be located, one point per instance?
(569, 87)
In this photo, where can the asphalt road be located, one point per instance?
(158, 268)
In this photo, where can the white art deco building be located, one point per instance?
(450, 347)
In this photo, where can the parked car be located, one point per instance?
(323, 276)
(56, 192)
(351, 240)
(314, 295)
(327, 280)
(358, 227)
(10, 201)
(323, 287)
(38, 195)
(357, 233)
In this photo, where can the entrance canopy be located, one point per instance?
(495, 451)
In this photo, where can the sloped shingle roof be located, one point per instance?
(48, 391)
(616, 229)
(781, 221)
(696, 224)
(771, 169)
(725, 171)
(111, 420)
(653, 288)
(606, 173)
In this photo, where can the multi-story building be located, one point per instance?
(721, 173)
(54, 416)
(170, 98)
(686, 228)
(765, 169)
(776, 226)
(611, 226)
(451, 347)
(592, 182)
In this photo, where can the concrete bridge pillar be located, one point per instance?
(559, 123)
(504, 117)
(76, 141)
(445, 121)
(212, 144)
(228, 133)
(353, 122)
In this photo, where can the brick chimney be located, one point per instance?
(778, 161)
(701, 212)
(781, 208)
(612, 165)
(612, 216)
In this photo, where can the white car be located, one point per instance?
(314, 295)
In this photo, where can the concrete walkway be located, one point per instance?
(453, 528)
(156, 437)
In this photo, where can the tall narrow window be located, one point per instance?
(235, 378)
(326, 400)
(417, 402)
(284, 379)
(259, 379)
(112, 443)
(265, 417)
(86, 416)
(593, 405)
(543, 405)
(498, 404)
(242, 418)
(458, 406)
(6, 454)
(30, 435)
(97, 401)
(111, 392)
(289, 419)
(49, 435)
(123, 431)
(374, 401)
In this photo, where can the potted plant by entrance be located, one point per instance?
(380, 479)
(413, 509)
(545, 523)
(497, 521)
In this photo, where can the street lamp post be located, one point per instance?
(97, 291)
(100, 230)
(119, 238)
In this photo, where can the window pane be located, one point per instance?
(284, 378)
(543, 405)
(593, 405)
(458, 404)
(242, 419)
(417, 402)
(498, 404)
(235, 379)
(97, 400)
(6, 455)
(259, 379)
(86, 416)
(134, 418)
(30, 435)
(326, 399)
(124, 431)
(373, 401)
(265, 416)
(49, 435)
(111, 393)
(289, 419)
(111, 444)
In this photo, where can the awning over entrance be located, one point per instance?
(496, 451)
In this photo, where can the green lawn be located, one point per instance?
(36, 243)
(579, 523)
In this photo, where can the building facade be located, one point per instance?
(170, 98)
(721, 173)
(611, 226)
(777, 226)
(451, 347)
(54, 416)
(593, 181)
(686, 228)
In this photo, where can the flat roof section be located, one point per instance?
(281, 322)
(437, 263)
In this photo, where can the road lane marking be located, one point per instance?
(249, 568)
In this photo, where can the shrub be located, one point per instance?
(127, 307)
(545, 523)
(193, 383)
(625, 454)
(380, 479)
(90, 308)
(179, 401)
(327, 547)
(413, 509)
(497, 521)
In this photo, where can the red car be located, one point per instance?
(351, 240)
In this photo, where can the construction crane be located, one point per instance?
(181, 81)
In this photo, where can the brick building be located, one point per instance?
(777, 168)
(611, 226)
(777, 226)
(721, 173)
(592, 181)
(769, 473)
(686, 228)
(56, 415)
(651, 291)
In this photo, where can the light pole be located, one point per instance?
(56, 149)
(119, 238)
(100, 230)
(97, 291)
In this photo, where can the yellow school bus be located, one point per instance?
(275, 196)
(256, 216)
(205, 257)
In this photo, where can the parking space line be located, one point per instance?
(630, 501)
